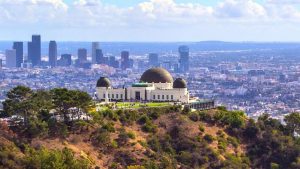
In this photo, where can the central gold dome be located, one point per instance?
(156, 75)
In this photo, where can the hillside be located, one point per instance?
(150, 138)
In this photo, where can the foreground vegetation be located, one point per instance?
(147, 138)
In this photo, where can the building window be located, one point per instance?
(108, 95)
(153, 97)
(121, 96)
(163, 97)
(117, 96)
(172, 97)
(158, 97)
(112, 96)
(167, 97)
(104, 95)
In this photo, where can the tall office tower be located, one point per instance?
(95, 46)
(29, 52)
(1, 64)
(113, 62)
(184, 58)
(82, 55)
(35, 50)
(18, 46)
(52, 53)
(11, 58)
(125, 62)
(153, 59)
(99, 57)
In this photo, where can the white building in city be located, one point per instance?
(156, 84)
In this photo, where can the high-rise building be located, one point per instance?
(18, 46)
(52, 53)
(11, 58)
(34, 56)
(153, 60)
(1, 64)
(65, 60)
(184, 58)
(125, 62)
(29, 52)
(82, 55)
(113, 62)
(99, 57)
(95, 46)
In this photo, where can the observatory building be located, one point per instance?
(156, 85)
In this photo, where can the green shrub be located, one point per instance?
(109, 127)
(201, 128)
(154, 114)
(194, 116)
(233, 141)
(114, 144)
(235, 119)
(209, 138)
(131, 135)
(45, 158)
(143, 119)
(204, 116)
(127, 117)
(101, 138)
(185, 157)
(149, 127)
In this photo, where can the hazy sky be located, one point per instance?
(151, 20)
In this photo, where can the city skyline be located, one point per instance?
(152, 20)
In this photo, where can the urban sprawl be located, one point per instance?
(255, 81)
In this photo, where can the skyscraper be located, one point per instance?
(34, 50)
(125, 62)
(99, 57)
(29, 52)
(95, 46)
(184, 58)
(18, 46)
(153, 59)
(1, 64)
(82, 55)
(52, 53)
(113, 62)
(11, 58)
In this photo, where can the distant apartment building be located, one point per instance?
(82, 55)
(1, 64)
(95, 46)
(11, 58)
(99, 57)
(125, 62)
(65, 60)
(184, 63)
(18, 46)
(52, 53)
(34, 50)
(113, 62)
(153, 60)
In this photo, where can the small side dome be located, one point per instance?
(103, 82)
(179, 83)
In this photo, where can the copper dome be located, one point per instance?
(103, 82)
(156, 75)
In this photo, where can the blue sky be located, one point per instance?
(151, 20)
(127, 3)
